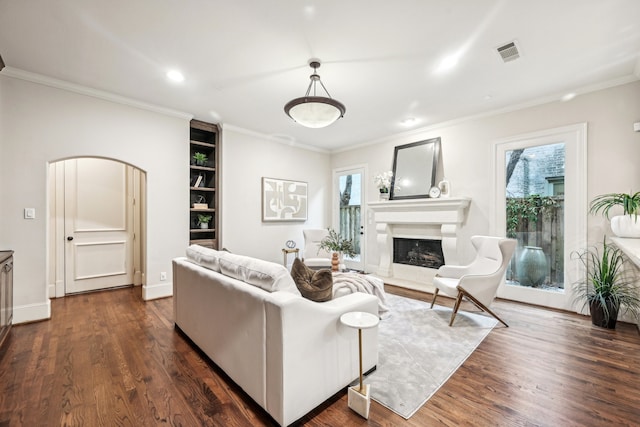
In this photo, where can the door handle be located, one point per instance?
(70, 238)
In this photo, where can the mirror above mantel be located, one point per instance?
(414, 169)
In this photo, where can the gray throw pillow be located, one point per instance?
(316, 285)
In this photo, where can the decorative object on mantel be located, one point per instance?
(383, 182)
(339, 246)
(311, 110)
(434, 192)
(605, 287)
(627, 224)
(445, 188)
(414, 169)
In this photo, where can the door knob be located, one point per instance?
(70, 238)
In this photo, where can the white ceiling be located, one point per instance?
(244, 59)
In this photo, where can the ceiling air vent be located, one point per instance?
(509, 52)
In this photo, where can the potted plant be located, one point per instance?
(605, 288)
(383, 182)
(339, 246)
(203, 220)
(625, 225)
(200, 159)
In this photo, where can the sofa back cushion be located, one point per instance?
(264, 274)
(206, 257)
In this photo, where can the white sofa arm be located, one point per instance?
(319, 353)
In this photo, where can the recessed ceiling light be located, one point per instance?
(568, 97)
(448, 63)
(409, 121)
(488, 97)
(175, 76)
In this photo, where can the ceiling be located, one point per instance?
(244, 59)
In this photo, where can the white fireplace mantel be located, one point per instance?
(419, 218)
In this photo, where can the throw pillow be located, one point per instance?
(264, 274)
(316, 285)
(206, 257)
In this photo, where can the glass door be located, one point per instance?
(347, 218)
(540, 202)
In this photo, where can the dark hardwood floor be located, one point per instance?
(110, 359)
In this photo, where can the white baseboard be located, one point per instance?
(31, 312)
(159, 290)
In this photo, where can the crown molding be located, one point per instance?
(280, 139)
(516, 107)
(95, 93)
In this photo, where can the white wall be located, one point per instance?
(246, 158)
(40, 124)
(613, 152)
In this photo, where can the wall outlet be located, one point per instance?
(163, 276)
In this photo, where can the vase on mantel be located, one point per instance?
(384, 195)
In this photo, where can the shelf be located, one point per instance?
(202, 189)
(202, 210)
(203, 144)
(203, 168)
(203, 230)
(203, 242)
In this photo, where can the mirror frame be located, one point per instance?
(398, 168)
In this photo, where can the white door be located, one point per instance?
(540, 200)
(347, 219)
(97, 225)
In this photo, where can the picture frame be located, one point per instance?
(414, 169)
(283, 200)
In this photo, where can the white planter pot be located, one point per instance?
(626, 226)
(204, 225)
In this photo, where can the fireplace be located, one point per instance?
(418, 252)
(420, 219)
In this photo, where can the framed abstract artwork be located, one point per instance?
(283, 200)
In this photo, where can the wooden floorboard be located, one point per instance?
(110, 359)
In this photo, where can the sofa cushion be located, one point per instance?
(264, 274)
(206, 257)
(316, 285)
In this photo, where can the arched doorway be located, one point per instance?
(96, 225)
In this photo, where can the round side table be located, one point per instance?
(359, 398)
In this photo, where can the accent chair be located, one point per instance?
(477, 282)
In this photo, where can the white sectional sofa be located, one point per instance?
(288, 353)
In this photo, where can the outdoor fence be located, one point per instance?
(350, 217)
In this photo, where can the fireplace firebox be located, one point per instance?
(418, 252)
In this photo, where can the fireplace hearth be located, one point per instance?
(418, 252)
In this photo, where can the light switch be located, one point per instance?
(29, 213)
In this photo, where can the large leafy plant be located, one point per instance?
(605, 202)
(604, 283)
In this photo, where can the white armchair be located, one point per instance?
(313, 256)
(477, 282)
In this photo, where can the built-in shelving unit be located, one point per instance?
(204, 170)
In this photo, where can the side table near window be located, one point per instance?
(359, 398)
